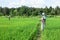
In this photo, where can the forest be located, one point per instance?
(29, 11)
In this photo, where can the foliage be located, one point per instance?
(29, 11)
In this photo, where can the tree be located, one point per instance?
(6, 11)
(1, 11)
(57, 10)
(28, 11)
(46, 10)
(11, 11)
(50, 9)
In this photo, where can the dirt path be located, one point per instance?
(38, 34)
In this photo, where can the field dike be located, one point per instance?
(37, 33)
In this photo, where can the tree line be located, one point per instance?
(28, 11)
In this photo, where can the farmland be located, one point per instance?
(20, 28)
(17, 28)
(52, 29)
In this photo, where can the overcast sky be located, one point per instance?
(29, 3)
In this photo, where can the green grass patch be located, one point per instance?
(17, 28)
(52, 29)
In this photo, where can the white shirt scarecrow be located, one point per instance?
(43, 20)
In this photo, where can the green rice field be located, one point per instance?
(25, 28)
(17, 28)
(52, 29)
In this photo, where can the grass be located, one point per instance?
(24, 28)
(17, 28)
(52, 29)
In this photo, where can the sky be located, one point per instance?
(29, 3)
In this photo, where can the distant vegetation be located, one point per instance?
(29, 11)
